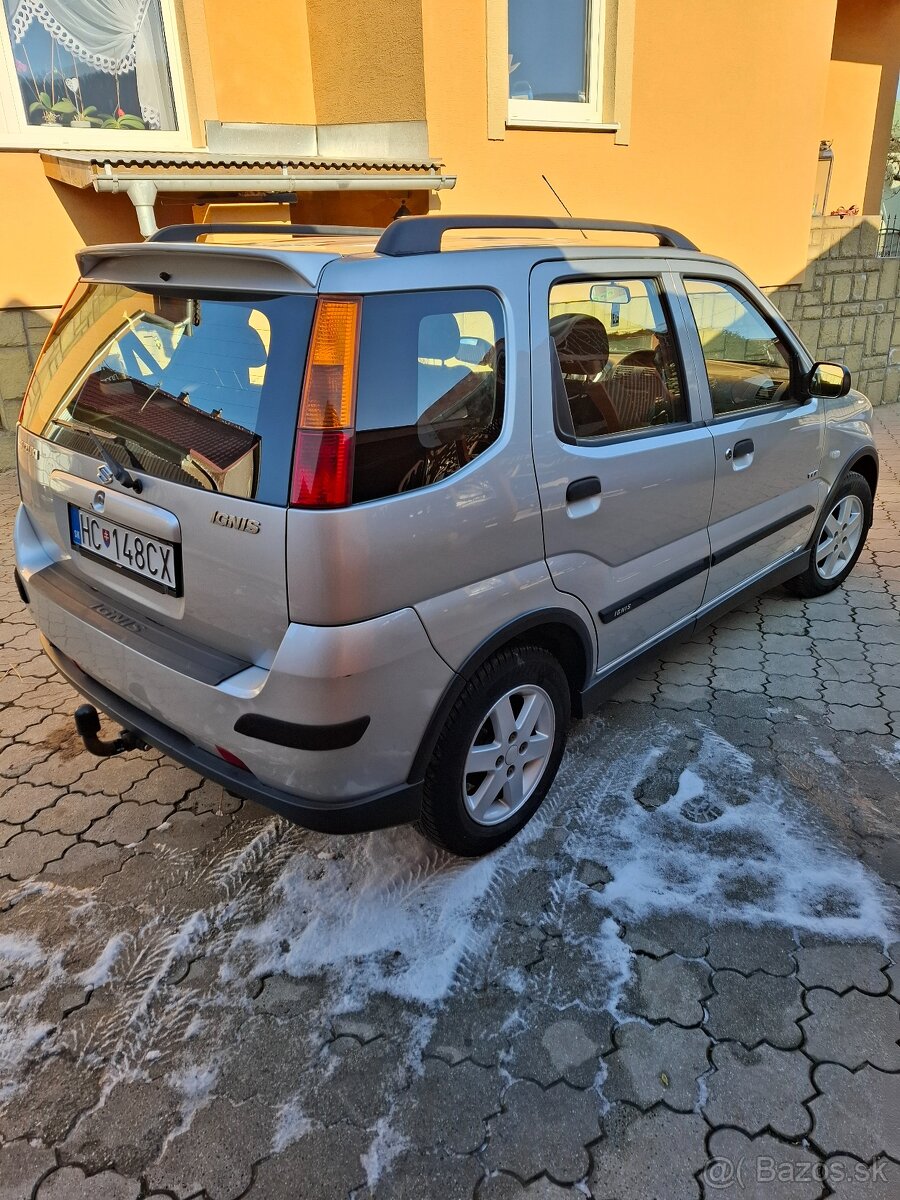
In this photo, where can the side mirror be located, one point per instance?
(828, 381)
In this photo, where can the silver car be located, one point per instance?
(354, 522)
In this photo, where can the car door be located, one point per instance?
(623, 458)
(768, 433)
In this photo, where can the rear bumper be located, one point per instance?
(395, 806)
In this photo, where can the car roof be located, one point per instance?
(294, 257)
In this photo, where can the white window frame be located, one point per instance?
(568, 114)
(15, 132)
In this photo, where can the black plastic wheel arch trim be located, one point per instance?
(20, 586)
(379, 810)
(302, 737)
(512, 631)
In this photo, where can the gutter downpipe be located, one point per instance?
(143, 192)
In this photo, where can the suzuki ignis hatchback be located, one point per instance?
(353, 523)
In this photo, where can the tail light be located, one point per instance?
(323, 454)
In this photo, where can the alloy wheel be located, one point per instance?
(509, 754)
(840, 537)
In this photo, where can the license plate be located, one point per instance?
(148, 559)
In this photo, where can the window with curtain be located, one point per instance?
(92, 64)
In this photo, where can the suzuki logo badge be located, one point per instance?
(105, 475)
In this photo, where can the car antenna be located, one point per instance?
(562, 202)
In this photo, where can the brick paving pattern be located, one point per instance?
(683, 982)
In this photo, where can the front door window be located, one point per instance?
(747, 363)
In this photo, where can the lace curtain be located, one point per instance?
(114, 36)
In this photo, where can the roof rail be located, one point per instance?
(422, 235)
(191, 233)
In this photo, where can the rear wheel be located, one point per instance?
(838, 540)
(498, 752)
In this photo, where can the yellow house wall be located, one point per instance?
(43, 224)
(868, 32)
(367, 59)
(260, 61)
(851, 106)
(732, 166)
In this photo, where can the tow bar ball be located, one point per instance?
(87, 725)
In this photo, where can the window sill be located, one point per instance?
(568, 125)
(141, 140)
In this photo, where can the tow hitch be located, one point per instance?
(87, 725)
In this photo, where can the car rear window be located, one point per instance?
(430, 388)
(200, 390)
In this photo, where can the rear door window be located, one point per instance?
(202, 391)
(430, 388)
(616, 365)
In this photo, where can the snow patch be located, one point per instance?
(101, 970)
(291, 1124)
(386, 1145)
(392, 915)
(21, 951)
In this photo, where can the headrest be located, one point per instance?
(438, 336)
(580, 340)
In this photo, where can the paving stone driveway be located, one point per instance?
(682, 981)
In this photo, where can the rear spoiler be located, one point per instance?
(156, 267)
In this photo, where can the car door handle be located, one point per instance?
(583, 489)
(740, 449)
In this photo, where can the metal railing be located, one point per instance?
(889, 241)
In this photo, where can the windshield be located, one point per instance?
(199, 390)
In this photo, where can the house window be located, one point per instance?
(83, 65)
(555, 61)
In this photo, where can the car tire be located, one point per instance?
(838, 540)
(511, 719)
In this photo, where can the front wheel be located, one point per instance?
(498, 752)
(839, 538)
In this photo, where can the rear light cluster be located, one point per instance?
(323, 454)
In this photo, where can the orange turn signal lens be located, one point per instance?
(329, 389)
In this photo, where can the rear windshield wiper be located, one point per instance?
(119, 473)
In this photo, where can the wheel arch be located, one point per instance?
(558, 630)
(865, 463)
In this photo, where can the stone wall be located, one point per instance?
(846, 306)
(22, 333)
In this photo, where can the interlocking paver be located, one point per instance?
(856, 1112)
(505, 1187)
(668, 989)
(555, 1046)
(755, 1008)
(28, 853)
(71, 1183)
(748, 948)
(568, 1120)
(324, 1162)
(129, 823)
(850, 1179)
(840, 967)
(22, 1164)
(753, 1089)
(448, 1107)
(653, 1063)
(852, 1029)
(216, 1152)
(760, 1168)
(648, 1154)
